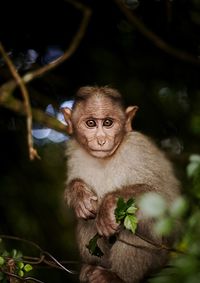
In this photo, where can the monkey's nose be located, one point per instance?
(101, 142)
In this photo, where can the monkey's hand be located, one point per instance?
(105, 221)
(81, 199)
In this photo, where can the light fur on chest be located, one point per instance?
(130, 165)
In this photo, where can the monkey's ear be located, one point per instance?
(130, 114)
(67, 113)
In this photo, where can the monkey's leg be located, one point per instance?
(98, 274)
(85, 232)
(135, 259)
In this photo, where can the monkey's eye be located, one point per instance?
(91, 123)
(107, 122)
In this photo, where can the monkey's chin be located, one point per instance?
(102, 153)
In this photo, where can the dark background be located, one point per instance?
(113, 52)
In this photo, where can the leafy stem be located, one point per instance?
(125, 213)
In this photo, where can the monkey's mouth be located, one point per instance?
(101, 150)
(102, 153)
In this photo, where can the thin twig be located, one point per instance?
(32, 152)
(8, 237)
(155, 39)
(59, 264)
(154, 244)
(21, 279)
(43, 256)
(72, 48)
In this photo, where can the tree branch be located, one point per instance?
(72, 48)
(44, 255)
(7, 89)
(32, 152)
(155, 39)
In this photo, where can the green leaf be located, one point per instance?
(28, 267)
(130, 202)
(130, 223)
(120, 211)
(2, 261)
(132, 209)
(21, 273)
(20, 264)
(93, 247)
(5, 254)
(125, 213)
(14, 253)
(121, 205)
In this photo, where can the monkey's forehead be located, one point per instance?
(98, 111)
(98, 114)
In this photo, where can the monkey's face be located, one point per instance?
(100, 136)
(99, 128)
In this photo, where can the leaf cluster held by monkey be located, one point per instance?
(107, 160)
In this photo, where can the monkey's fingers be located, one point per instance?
(87, 209)
(102, 229)
(83, 212)
(91, 205)
(107, 228)
(79, 213)
(94, 197)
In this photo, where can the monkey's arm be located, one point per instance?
(81, 198)
(105, 221)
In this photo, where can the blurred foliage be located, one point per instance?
(184, 266)
(113, 52)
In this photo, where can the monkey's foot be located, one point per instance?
(98, 274)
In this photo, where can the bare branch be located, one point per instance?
(17, 106)
(32, 152)
(7, 89)
(154, 244)
(155, 39)
(72, 48)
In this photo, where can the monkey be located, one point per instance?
(107, 159)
